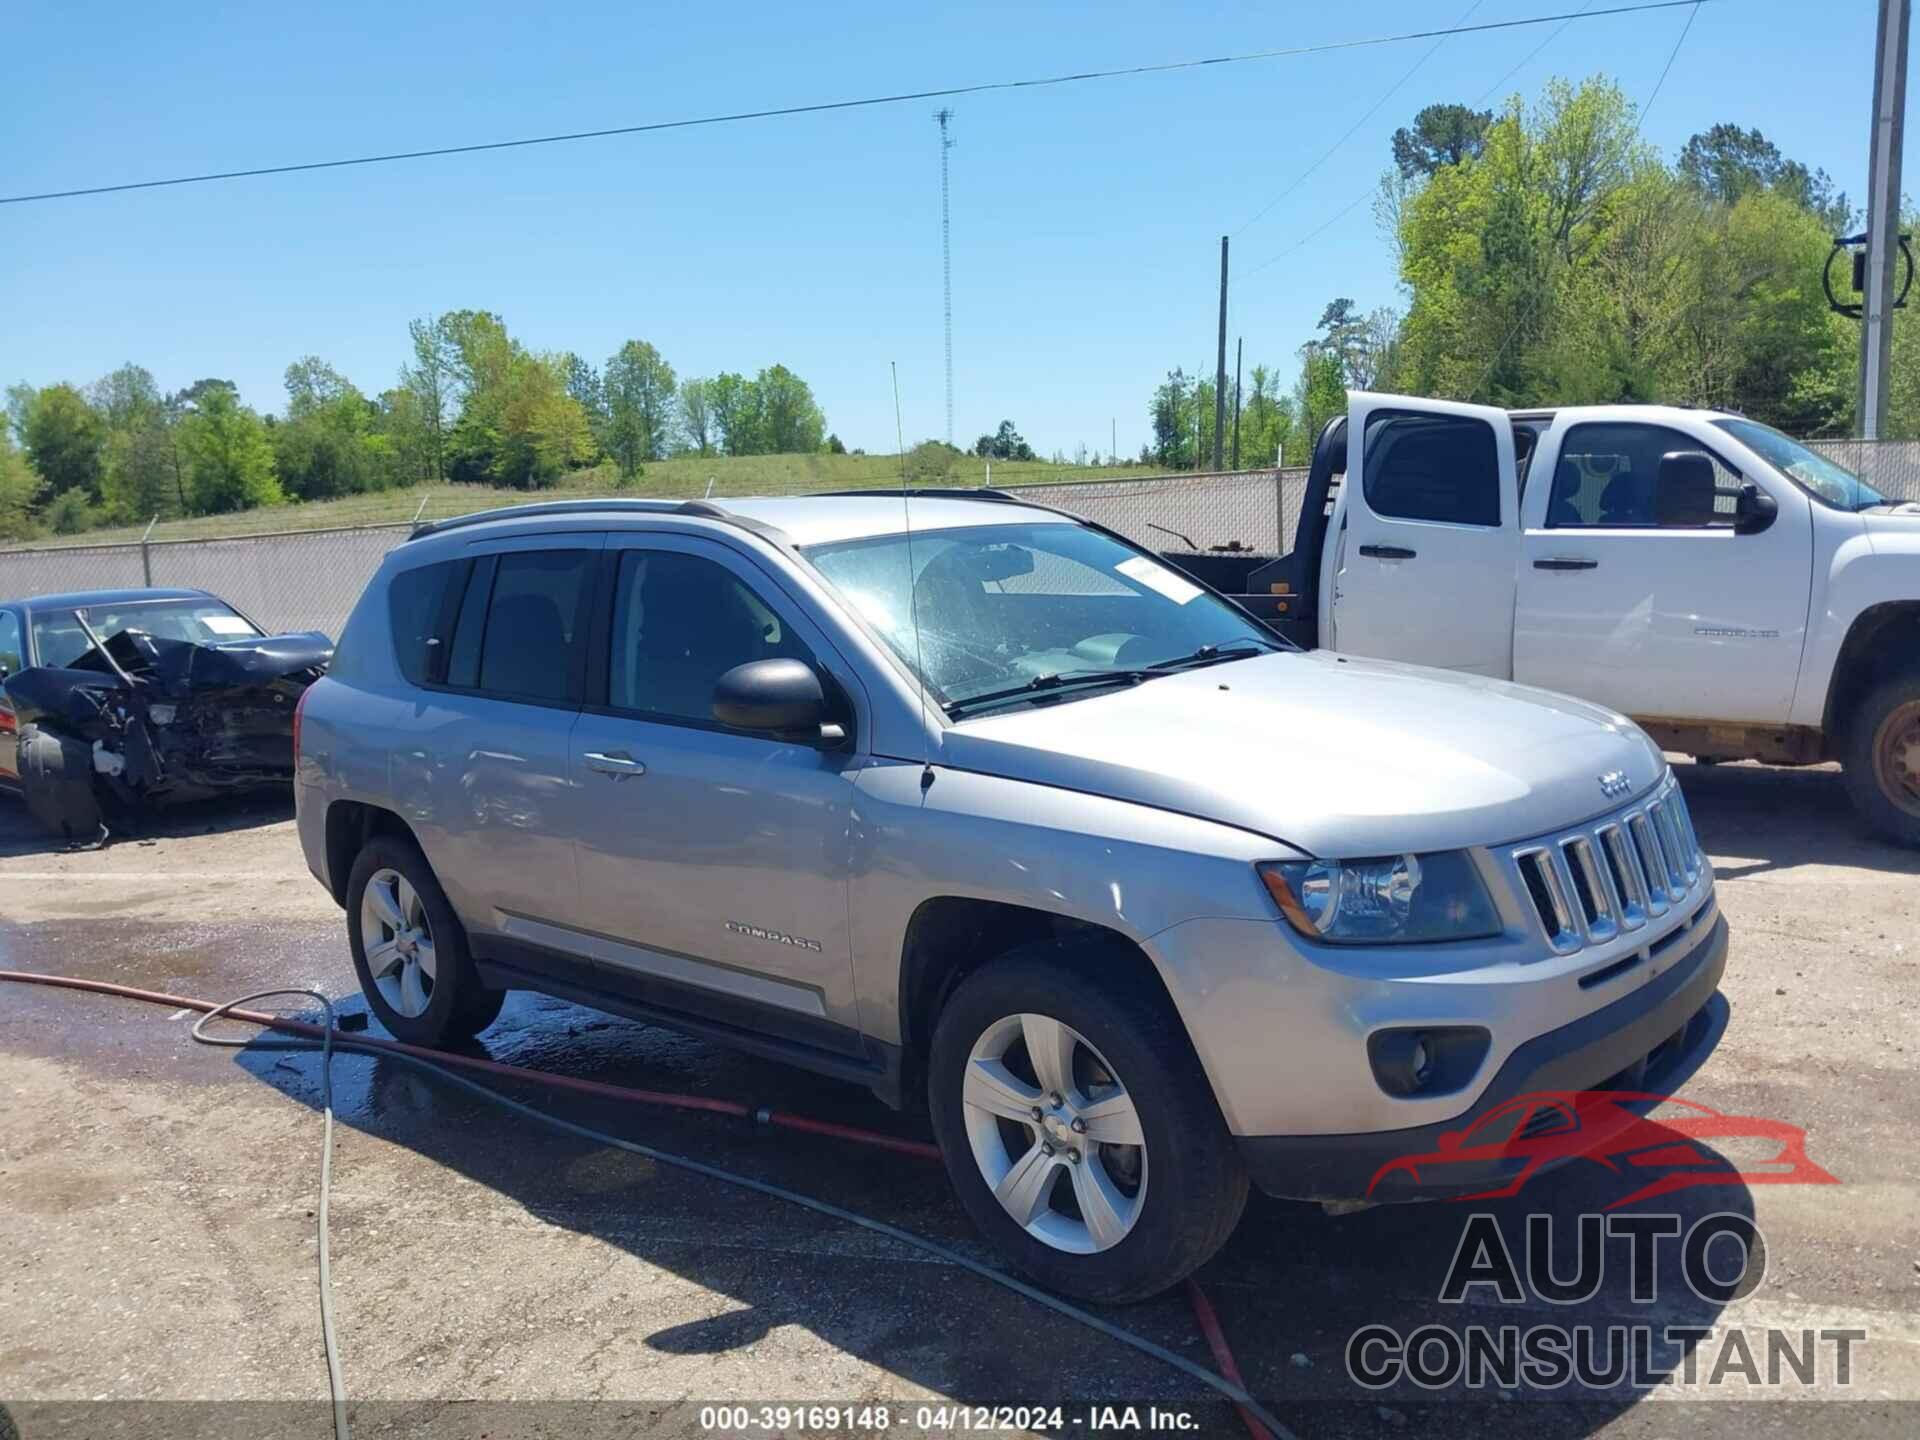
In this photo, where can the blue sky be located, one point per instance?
(1086, 218)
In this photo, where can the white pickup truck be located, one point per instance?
(1739, 595)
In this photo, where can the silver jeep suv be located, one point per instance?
(984, 807)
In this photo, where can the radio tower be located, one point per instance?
(946, 259)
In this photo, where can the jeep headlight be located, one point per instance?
(1387, 900)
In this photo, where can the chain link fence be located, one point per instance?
(310, 579)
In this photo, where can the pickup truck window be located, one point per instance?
(1608, 478)
(1442, 468)
(1003, 606)
(1827, 482)
(680, 622)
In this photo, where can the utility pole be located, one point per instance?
(1883, 212)
(1239, 354)
(1220, 365)
(946, 259)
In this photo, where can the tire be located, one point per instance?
(1189, 1184)
(1881, 759)
(424, 993)
(56, 784)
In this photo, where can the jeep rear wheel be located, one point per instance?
(1077, 1126)
(1882, 759)
(410, 951)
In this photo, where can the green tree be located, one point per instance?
(229, 457)
(1726, 163)
(789, 420)
(1322, 394)
(1440, 135)
(65, 438)
(1004, 444)
(19, 489)
(640, 390)
(697, 420)
(736, 413)
(431, 378)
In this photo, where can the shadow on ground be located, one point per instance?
(21, 835)
(1738, 809)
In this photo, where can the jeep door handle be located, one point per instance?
(1388, 552)
(616, 763)
(1566, 562)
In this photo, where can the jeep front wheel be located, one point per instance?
(1077, 1126)
(1882, 759)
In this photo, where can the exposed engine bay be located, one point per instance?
(139, 721)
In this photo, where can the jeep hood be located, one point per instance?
(1332, 754)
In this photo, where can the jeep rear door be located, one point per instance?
(1424, 564)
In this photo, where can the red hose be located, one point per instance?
(1203, 1312)
(1209, 1324)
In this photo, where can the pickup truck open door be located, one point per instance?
(1422, 554)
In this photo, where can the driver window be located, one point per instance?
(680, 622)
(10, 645)
(1608, 478)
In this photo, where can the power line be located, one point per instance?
(1372, 109)
(1348, 208)
(823, 107)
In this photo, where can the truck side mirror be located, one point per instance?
(1754, 510)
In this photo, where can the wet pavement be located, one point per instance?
(156, 1196)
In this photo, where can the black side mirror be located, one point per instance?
(1754, 511)
(775, 697)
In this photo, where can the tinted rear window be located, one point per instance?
(414, 602)
(1444, 468)
(536, 619)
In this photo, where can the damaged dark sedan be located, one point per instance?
(117, 702)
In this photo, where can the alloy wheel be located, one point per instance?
(1055, 1134)
(398, 939)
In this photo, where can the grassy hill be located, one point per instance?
(679, 478)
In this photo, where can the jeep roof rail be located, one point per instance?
(704, 508)
(1001, 497)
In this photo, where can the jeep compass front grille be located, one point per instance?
(1612, 875)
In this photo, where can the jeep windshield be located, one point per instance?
(1032, 613)
(58, 639)
(1827, 482)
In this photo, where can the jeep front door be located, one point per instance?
(1425, 563)
(712, 862)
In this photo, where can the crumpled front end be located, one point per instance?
(152, 721)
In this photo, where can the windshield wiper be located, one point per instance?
(1042, 686)
(1215, 654)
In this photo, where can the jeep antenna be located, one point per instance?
(913, 584)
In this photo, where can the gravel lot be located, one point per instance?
(156, 1198)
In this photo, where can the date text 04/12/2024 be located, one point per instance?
(941, 1419)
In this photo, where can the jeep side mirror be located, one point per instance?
(1754, 510)
(781, 698)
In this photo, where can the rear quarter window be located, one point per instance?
(415, 602)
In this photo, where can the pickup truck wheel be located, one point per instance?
(1077, 1126)
(1882, 759)
(410, 951)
